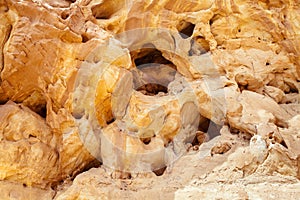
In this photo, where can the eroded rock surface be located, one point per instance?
(135, 85)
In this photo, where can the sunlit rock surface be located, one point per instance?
(179, 95)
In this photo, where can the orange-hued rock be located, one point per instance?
(29, 151)
(135, 85)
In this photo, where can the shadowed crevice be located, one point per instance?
(7, 34)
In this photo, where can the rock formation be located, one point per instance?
(184, 95)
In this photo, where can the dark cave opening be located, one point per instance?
(153, 71)
(185, 29)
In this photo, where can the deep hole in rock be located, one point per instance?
(185, 29)
(129, 176)
(64, 15)
(32, 136)
(293, 89)
(111, 120)
(204, 124)
(153, 72)
(3, 101)
(200, 138)
(146, 141)
(207, 130)
(36, 102)
(152, 89)
(284, 144)
(42, 111)
(242, 86)
(84, 38)
(107, 9)
(160, 172)
(150, 55)
(209, 127)
(270, 135)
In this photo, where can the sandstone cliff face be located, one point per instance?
(137, 87)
